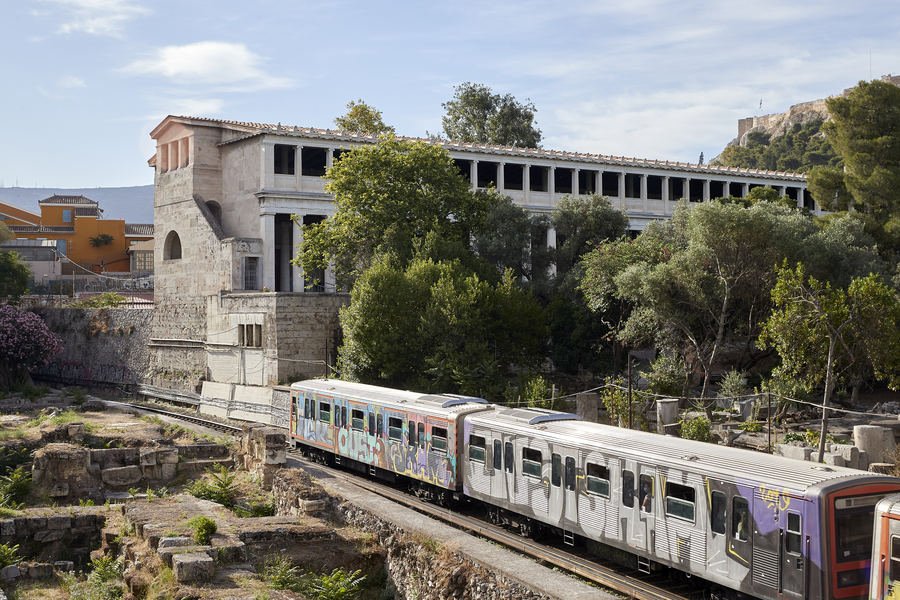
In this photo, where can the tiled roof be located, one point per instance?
(87, 211)
(60, 199)
(139, 229)
(254, 129)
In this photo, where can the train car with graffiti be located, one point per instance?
(753, 524)
(383, 431)
(885, 581)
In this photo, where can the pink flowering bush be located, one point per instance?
(25, 343)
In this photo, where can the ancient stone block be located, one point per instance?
(174, 542)
(49, 535)
(795, 452)
(148, 457)
(7, 528)
(59, 522)
(835, 460)
(39, 570)
(64, 566)
(9, 573)
(122, 476)
(193, 567)
(167, 456)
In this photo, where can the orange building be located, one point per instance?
(100, 245)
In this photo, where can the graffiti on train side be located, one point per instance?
(774, 498)
(412, 461)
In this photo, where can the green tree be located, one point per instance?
(865, 131)
(822, 332)
(582, 223)
(15, 276)
(700, 283)
(362, 118)
(477, 114)
(438, 326)
(799, 148)
(389, 197)
(506, 239)
(5, 233)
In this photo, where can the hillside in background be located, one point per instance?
(788, 141)
(134, 204)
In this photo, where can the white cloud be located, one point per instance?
(217, 65)
(71, 81)
(97, 17)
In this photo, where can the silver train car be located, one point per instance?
(383, 431)
(752, 524)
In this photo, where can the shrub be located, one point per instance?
(9, 555)
(340, 584)
(280, 573)
(104, 300)
(14, 487)
(25, 343)
(203, 528)
(615, 400)
(217, 485)
(733, 385)
(697, 428)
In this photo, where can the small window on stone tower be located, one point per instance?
(172, 247)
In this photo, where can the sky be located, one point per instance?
(85, 81)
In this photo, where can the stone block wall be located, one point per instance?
(100, 346)
(70, 536)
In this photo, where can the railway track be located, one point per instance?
(634, 585)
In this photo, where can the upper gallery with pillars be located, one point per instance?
(536, 179)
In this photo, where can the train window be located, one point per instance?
(324, 412)
(508, 458)
(343, 422)
(556, 470)
(306, 403)
(680, 501)
(719, 506)
(476, 448)
(597, 480)
(740, 519)
(371, 423)
(628, 489)
(531, 462)
(379, 426)
(411, 433)
(895, 558)
(439, 440)
(395, 429)
(421, 436)
(498, 455)
(794, 534)
(357, 420)
(646, 494)
(570, 473)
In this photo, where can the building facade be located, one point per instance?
(232, 306)
(80, 233)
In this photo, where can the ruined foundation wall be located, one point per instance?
(100, 345)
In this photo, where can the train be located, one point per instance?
(750, 524)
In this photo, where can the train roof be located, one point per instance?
(435, 404)
(717, 461)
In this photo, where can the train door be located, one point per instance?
(766, 535)
(717, 534)
(557, 498)
(570, 491)
(794, 554)
(498, 480)
(647, 506)
(509, 468)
